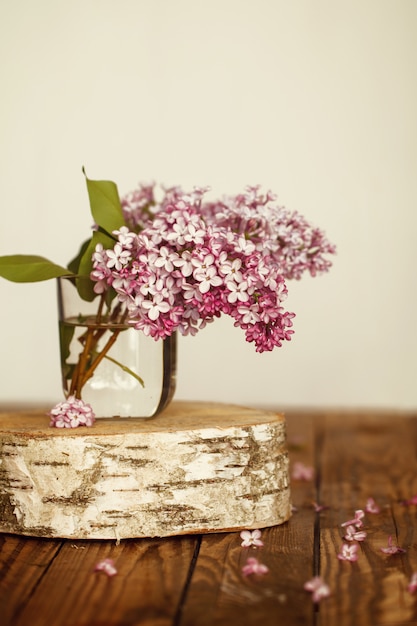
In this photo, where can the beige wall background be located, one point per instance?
(314, 99)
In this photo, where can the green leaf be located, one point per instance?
(66, 334)
(86, 261)
(105, 204)
(30, 268)
(86, 288)
(74, 264)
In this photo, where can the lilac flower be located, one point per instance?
(107, 566)
(319, 507)
(390, 549)
(412, 586)
(118, 257)
(207, 277)
(251, 538)
(166, 259)
(155, 307)
(371, 506)
(182, 262)
(302, 472)
(71, 413)
(253, 566)
(230, 268)
(352, 534)
(348, 552)
(411, 501)
(357, 520)
(238, 292)
(318, 588)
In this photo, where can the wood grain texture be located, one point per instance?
(358, 459)
(197, 580)
(146, 590)
(23, 563)
(196, 468)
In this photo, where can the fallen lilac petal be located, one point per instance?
(352, 534)
(390, 549)
(300, 471)
(412, 585)
(348, 552)
(318, 588)
(371, 506)
(319, 507)
(253, 566)
(411, 501)
(106, 566)
(251, 538)
(357, 520)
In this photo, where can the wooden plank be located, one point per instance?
(220, 594)
(180, 582)
(23, 563)
(198, 467)
(146, 590)
(365, 456)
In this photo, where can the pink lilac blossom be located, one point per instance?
(411, 501)
(253, 566)
(357, 521)
(181, 262)
(318, 588)
(348, 552)
(300, 471)
(71, 413)
(412, 585)
(107, 566)
(251, 539)
(390, 549)
(372, 507)
(352, 534)
(319, 507)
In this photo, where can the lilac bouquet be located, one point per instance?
(163, 260)
(181, 261)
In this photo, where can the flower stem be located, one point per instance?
(90, 357)
(100, 356)
(76, 382)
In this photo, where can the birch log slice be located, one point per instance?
(198, 467)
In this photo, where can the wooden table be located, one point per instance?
(197, 580)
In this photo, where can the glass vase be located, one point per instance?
(117, 369)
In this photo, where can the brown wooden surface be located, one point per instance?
(197, 580)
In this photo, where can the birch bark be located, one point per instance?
(198, 467)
